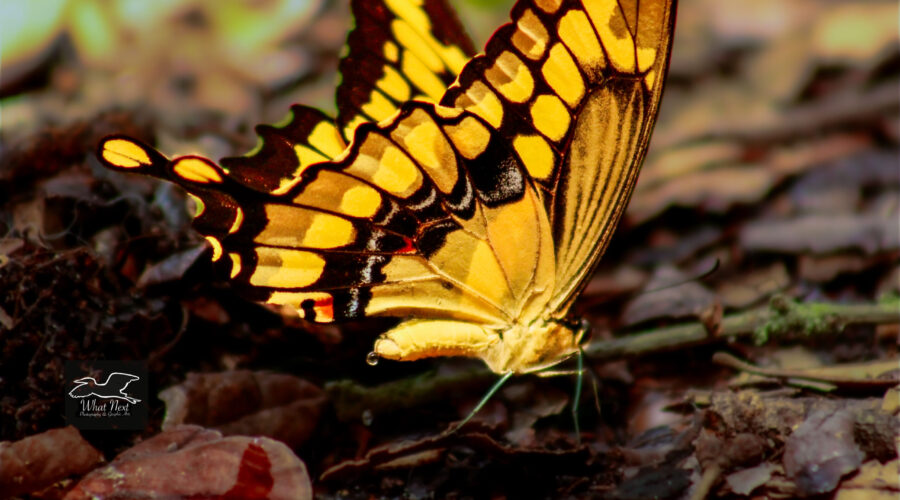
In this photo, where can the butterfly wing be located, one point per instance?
(415, 219)
(574, 87)
(400, 50)
(470, 217)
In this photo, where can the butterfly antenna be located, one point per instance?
(490, 393)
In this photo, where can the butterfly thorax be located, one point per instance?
(518, 348)
(531, 348)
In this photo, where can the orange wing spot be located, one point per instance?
(324, 309)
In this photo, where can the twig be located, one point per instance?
(730, 361)
(781, 318)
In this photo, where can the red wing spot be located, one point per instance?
(324, 309)
(254, 476)
(408, 246)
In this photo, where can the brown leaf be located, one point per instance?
(822, 451)
(242, 402)
(821, 234)
(748, 289)
(171, 268)
(663, 300)
(189, 461)
(744, 481)
(40, 460)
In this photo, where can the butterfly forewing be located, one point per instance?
(398, 51)
(574, 87)
(383, 68)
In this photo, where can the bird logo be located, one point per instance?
(113, 388)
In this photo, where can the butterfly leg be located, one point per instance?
(487, 397)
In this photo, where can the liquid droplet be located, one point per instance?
(372, 358)
(367, 417)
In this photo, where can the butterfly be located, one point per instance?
(471, 196)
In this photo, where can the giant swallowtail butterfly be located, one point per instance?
(471, 196)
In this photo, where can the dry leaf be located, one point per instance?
(242, 402)
(40, 460)
(191, 462)
(822, 451)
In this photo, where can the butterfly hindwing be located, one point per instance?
(306, 137)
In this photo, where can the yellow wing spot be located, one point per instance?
(328, 231)
(550, 116)
(470, 137)
(481, 101)
(360, 201)
(306, 156)
(613, 30)
(650, 79)
(235, 264)
(326, 138)
(548, 6)
(291, 226)
(562, 75)
(413, 42)
(428, 146)
(646, 56)
(238, 220)
(454, 57)
(397, 173)
(383, 164)
(348, 132)
(536, 154)
(531, 36)
(391, 52)
(216, 246)
(394, 85)
(281, 268)
(576, 32)
(421, 76)
(389, 120)
(447, 111)
(378, 107)
(196, 170)
(123, 153)
(450, 55)
(510, 77)
(199, 206)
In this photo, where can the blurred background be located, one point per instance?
(775, 163)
